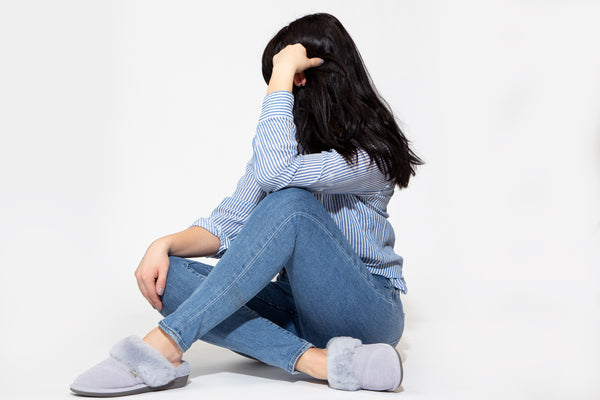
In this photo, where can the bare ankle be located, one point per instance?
(162, 342)
(314, 363)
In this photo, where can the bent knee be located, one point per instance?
(175, 261)
(291, 198)
(292, 193)
(187, 267)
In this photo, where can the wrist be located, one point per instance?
(162, 244)
(282, 78)
(283, 69)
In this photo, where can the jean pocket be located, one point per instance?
(385, 288)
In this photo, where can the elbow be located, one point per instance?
(269, 180)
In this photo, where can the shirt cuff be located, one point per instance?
(278, 104)
(213, 228)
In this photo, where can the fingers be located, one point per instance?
(152, 296)
(299, 79)
(146, 284)
(308, 62)
(141, 286)
(161, 283)
(294, 55)
(315, 62)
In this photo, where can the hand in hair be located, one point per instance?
(289, 66)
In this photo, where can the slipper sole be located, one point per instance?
(174, 384)
(401, 370)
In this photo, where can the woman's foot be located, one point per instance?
(352, 365)
(314, 363)
(347, 364)
(162, 342)
(133, 367)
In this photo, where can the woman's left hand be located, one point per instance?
(293, 56)
(289, 66)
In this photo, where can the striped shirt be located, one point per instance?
(355, 196)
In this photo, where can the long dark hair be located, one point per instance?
(339, 107)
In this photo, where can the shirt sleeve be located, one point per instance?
(227, 219)
(277, 164)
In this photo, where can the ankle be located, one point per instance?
(314, 363)
(162, 342)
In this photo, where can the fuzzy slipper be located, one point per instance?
(352, 365)
(133, 367)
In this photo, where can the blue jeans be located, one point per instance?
(326, 289)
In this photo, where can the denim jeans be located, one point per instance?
(326, 290)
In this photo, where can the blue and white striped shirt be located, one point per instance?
(355, 196)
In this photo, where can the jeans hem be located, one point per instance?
(292, 365)
(174, 336)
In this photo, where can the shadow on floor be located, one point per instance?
(207, 359)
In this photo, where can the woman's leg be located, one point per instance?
(333, 291)
(264, 328)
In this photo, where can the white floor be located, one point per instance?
(441, 361)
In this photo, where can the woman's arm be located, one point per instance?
(192, 242)
(151, 274)
(289, 66)
(227, 219)
(277, 163)
(206, 237)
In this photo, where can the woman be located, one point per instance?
(311, 210)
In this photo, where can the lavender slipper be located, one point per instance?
(133, 367)
(352, 365)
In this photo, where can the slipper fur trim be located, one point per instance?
(340, 354)
(147, 362)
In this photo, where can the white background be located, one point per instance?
(122, 121)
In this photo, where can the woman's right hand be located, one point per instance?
(151, 274)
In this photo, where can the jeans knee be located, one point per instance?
(176, 261)
(291, 194)
(176, 267)
(291, 198)
(186, 270)
(182, 279)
